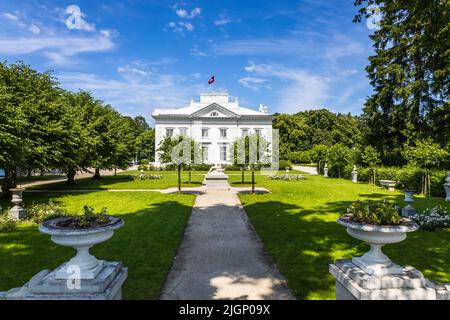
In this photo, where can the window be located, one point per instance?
(183, 131)
(205, 132)
(214, 114)
(169, 132)
(223, 132)
(223, 152)
(258, 132)
(205, 150)
(244, 132)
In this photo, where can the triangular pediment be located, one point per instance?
(214, 110)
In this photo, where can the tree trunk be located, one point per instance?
(29, 173)
(189, 173)
(253, 178)
(179, 177)
(97, 174)
(10, 180)
(242, 172)
(115, 171)
(71, 176)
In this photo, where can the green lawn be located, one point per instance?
(118, 182)
(297, 224)
(154, 225)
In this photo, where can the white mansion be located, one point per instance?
(215, 122)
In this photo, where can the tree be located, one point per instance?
(319, 155)
(251, 150)
(370, 158)
(292, 133)
(339, 157)
(71, 136)
(179, 150)
(27, 113)
(427, 156)
(145, 145)
(409, 73)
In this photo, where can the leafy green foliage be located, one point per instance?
(378, 213)
(40, 212)
(303, 130)
(409, 73)
(43, 126)
(340, 159)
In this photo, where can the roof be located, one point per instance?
(209, 101)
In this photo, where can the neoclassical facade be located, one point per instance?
(215, 122)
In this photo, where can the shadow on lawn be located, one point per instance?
(302, 248)
(104, 183)
(304, 242)
(146, 245)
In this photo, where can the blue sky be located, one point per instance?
(138, 55)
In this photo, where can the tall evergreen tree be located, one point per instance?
(409, 72)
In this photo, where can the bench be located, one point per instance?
(388, 184)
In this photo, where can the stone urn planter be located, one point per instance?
(375, 262)
(81, 239)
(17, 212)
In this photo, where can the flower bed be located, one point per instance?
(433, 219)
(287, 177)
(147, 177)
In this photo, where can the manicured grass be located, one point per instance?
(154, 225)
(171, 172)
(118, 182)
(297, 224)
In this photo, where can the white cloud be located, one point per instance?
(10, 16)
(183, 13)
(312, 46)
(180, 26)
(138, 89)
(57, 49)
(34, 29)
(222, 20)
(197, 52)
(299, 89)
(252, 82)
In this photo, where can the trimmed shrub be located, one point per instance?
(201, 167)
(6, 223)
(300, 157)
(407, 177)
(285, 164)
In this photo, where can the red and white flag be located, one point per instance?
(211, 80)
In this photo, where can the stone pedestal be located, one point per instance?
(17, 212)
(45, 285)
(408, 211)
(354, 175)
(325, 171)
(353, 283)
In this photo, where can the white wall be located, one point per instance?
(195, 130)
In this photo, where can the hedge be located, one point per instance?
(407, 177)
